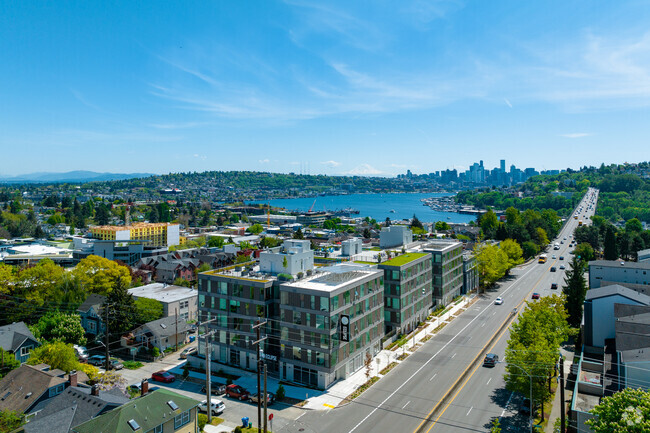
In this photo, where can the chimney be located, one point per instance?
(73, 378)
(94, 390)
(144, 387)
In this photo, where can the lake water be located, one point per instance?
(377, 206)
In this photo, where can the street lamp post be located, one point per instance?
(530, 415)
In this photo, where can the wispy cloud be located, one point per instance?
(576, 135)
(331, 163)
(201, 157)
(264, 161)
(507, 102)
(364, 170)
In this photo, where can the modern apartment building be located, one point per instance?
(447, 260)
(470, 273)
(156, 234)
(634, 275)
(328, 323)
(395, 236)
(407, 291)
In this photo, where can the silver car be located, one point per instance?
(217, 406)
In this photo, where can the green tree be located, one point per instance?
(298, 234)
(442, 226)
(10, 420)
(56, 354)
(58, 326)
(366, 233)
(98, 275)
(529, 249)
(496, 426)
(489, 223)
(585, 252)
(270, 242)
(102, 214)
(415, 222)
(255, 229)
(121, 310)
(633, 226)
(148, 310)
(513, 252)
(575, 290)
(215, 242)
(610, 249)
(625, 411)
(9, 362)
(182, 282)
(492, 263)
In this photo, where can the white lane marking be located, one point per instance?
(483, 324)
(299, 416)
(488, 382)
(470, 337)
(507, 403)
(416, 372)
(433, 377)
(452, 356)
(407, 403)
(494, 313)
(470, 409)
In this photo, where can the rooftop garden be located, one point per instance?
(403, 259)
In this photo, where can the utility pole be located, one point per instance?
(257, 328)
(265, 398)
(562, 413)
(176, 323)
(107, 363)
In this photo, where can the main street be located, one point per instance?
(417, 394)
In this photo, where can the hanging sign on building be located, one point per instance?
(345, 328)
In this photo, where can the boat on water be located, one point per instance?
(392, 211)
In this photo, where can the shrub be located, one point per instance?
(238, 429)
(203, 420)
(155, 352)
(280, 393)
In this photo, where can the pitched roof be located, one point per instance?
(617, 289)
(79, 405)
(12, 336)
(148, 411)
(166, 327)
(93, 300)
(22, 387)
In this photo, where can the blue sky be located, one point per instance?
(335, 87)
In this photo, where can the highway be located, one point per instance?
(442, 386)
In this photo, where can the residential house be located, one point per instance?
(18, 340)
(28, 385)
(160, 411)
(90, 313)
(174, 299)
(162, 333)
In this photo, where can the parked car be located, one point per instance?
(553, 286)
(535, 295)
(498, 301)
(163, 376)
(217, 406)
(490, 360)
(270, 398)
(215, 389)
(236, 391)
(115, 364)
(187, 352)
(97, 360)
(81, 352)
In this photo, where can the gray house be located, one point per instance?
(18, 340)
(162, 333)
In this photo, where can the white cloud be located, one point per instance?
(264, 161)
(507, 102)
(364, 170)
(576, 135)
(331, 163)
(201, 157)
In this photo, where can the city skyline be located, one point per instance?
(337, 89)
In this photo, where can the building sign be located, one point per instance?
(345, 328)
(269, 357)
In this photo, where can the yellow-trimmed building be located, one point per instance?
(155, 234)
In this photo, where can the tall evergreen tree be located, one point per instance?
(121, 311)
(575, 289)
(610, 250)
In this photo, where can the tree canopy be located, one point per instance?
(58, 326)
(99, 275)
(625, 411)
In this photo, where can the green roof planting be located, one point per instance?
(147, 412)
(404, 259)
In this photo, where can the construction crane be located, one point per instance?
(312, 206)
(268, 214)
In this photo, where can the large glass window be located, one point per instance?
(297, 353)
(324, 303)
(335, 303)
(181, 420)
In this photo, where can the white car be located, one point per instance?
(562, 267)
(217, 406)
(498, 301)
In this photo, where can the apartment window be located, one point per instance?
(56, 390)
(181, 420)
(324, 303)
(297, 353)
(157, 429)
(24, 351)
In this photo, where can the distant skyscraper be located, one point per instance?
(503, 166)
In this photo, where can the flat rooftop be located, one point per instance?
(622, 264)
(404, 259)
(163, 292)
(132, 226)
(254, 275)
(332, 281)
(440, 245)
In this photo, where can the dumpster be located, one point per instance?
(244, 422)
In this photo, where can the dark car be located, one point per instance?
(535, 295)
(561, 257)
(553, 269)
(215, 389)
(490, 360)
(553, 286)
(163, 376)
(236, 391)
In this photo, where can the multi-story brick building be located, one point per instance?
(407, 291)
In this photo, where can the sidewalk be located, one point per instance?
(335, 394)
(558, 405)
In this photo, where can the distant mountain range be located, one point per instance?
(71, 176)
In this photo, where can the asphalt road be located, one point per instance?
(402, 401)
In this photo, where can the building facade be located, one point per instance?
(174, 299)
(395, 236)
(407, 291)
(635, 275)
(292, 257)
(470, 273)
(156, 234)
(447, 260)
